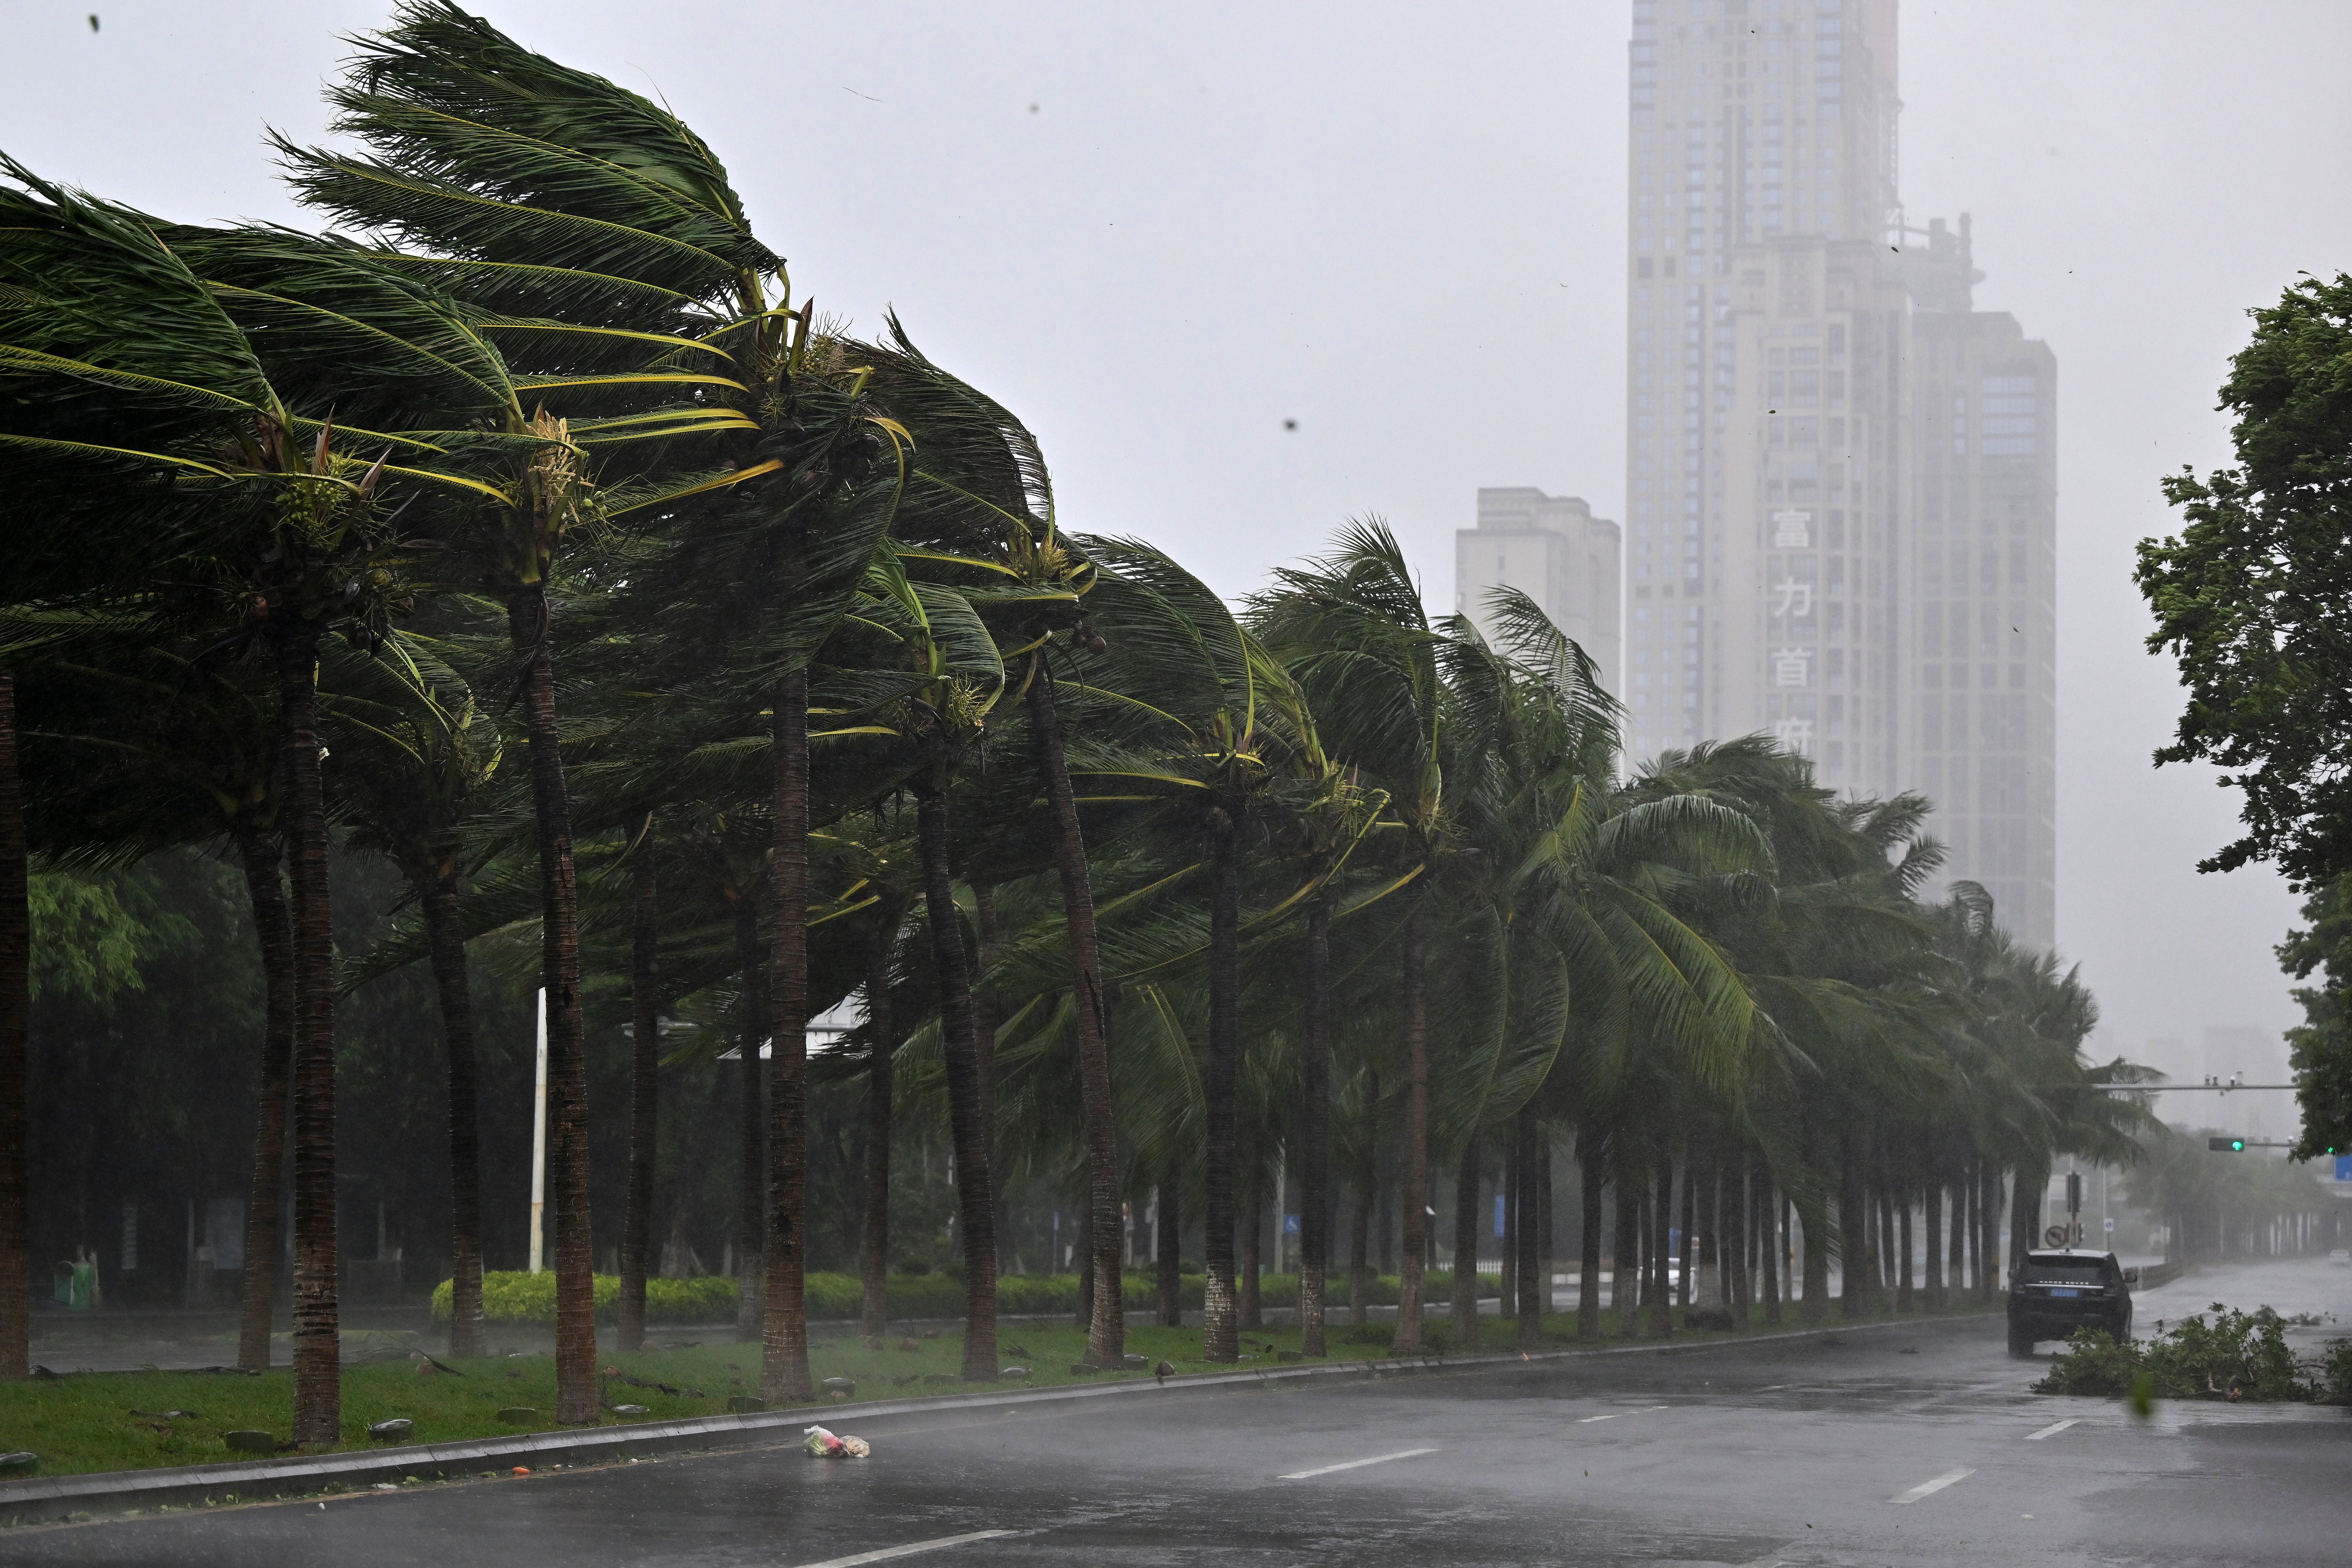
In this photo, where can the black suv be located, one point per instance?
(2065, 1289)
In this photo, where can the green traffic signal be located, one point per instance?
(2226, 1145)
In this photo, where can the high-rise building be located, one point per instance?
(1553, 550)
(1790, 361)
(1980, 610)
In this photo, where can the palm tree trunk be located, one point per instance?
(258, 851)
(1689, 1230)
(783, 1354)
(1414, 1241)
(1731, 1245)
(984, 1022)
(1082, 1253)
(984, 1000)
(1106, 1332)
(1252, 1237)
(1218, 1330)
(318, 1370)
(1594, 1172)
(1965, 1233)
(1988, 1208)
(1315, 1130)
(1885, 1259)
(1545, 1262)
(2025, 1212)
(567, 1063)
(1359, 1244)
(975, 1199)
(1903, 1301)
(436, 891)
(644, 1085)
(1530, 1207)
(1767, 1212)
(1933, 1198)
(1625, 1269)
(1466, 1248)
(1853, 1231)
(752, 963)
(874, 1254)
(1816, 1306)
(1662, 1248)
(1511, 1188)
(1171, 1250)
(15, 1058)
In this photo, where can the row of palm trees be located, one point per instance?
(703, 659)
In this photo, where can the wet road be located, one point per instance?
(1910, 1445)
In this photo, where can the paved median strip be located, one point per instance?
(2052, 1430)
(1938, 1484)
(1355, 1463)
(885, 1554)
(1644, 1410)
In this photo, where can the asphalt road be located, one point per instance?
(1911, 1445)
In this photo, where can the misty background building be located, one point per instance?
(1552, 549)
(1840, 476)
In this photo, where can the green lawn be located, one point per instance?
(90, 1421)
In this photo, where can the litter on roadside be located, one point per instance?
(823, 1444)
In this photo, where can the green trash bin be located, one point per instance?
(75, 1284)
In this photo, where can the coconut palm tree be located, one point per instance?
(410, 748)
(614, 266)
(149, 378)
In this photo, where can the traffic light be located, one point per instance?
(2226, 1145)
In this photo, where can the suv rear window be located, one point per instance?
(2081, 1271)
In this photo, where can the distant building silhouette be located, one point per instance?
(1841, 496)
(1553, 550)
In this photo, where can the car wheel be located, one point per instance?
(2021, 1344)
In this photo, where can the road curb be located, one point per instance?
(48, 1498)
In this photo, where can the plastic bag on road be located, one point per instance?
(823, 1444)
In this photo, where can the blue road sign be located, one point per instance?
(2343, 1167)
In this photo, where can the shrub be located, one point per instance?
(2335, 1372)
(2236, 1355)
(518, 1296)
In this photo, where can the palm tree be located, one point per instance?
(603, 239)
(172, 413)
(978, 510)
(410, 749)
(1351, 628)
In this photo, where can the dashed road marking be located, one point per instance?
(2052, 1430)
(1355, 1463)
(1644, 1410)
(1938, 1484)
(885, 1554)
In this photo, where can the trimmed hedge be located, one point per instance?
(524, 1298)
(518, 1296)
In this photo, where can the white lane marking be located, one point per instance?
(1644, 1410)
(884, 1554)
(2051, 1431)
(1938, 1484)
(1355, 1463)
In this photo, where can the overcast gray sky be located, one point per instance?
(1160, 233)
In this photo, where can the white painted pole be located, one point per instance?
(538, 1144)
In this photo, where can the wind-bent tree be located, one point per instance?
(147, 380)
(410, 750)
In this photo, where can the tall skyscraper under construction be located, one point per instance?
(1840, 475)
